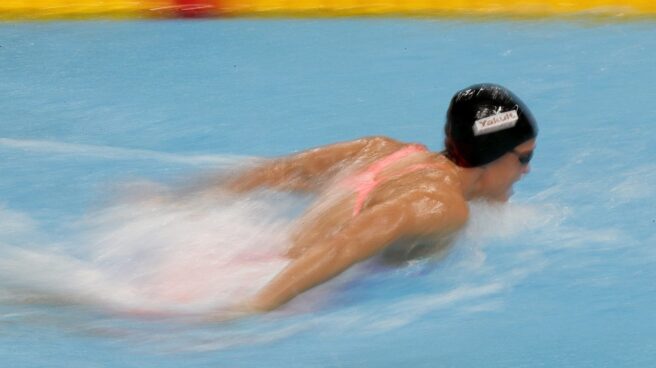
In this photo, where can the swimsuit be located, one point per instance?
(366, 181)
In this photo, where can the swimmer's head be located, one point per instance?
(483, 123)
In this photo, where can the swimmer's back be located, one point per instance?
(413, 175)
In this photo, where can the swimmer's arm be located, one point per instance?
(434, 248)
(307, 170)
(365, 236)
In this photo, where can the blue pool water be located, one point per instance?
(562, 276)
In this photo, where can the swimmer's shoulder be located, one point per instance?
(438, 174)
(440, 211)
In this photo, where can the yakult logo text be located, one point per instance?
(496, 122)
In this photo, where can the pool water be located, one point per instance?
(95, 114)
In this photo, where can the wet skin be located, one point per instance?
(422, 207)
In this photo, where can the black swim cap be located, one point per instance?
(484, 122)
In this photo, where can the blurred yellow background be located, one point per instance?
(66, 9)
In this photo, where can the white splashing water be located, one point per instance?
(190, 256)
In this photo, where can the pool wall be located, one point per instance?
(84, 9)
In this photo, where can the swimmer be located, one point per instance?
(379, 196)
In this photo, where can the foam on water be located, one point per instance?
(191, 256)
(145, 251)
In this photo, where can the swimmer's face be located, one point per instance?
(500, 175)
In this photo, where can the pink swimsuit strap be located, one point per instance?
(366, 181)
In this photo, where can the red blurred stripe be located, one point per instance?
(195, 8)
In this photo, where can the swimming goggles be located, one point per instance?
(524, 158)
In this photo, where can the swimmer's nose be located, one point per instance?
(526, 169)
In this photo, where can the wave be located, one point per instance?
(117, 153)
